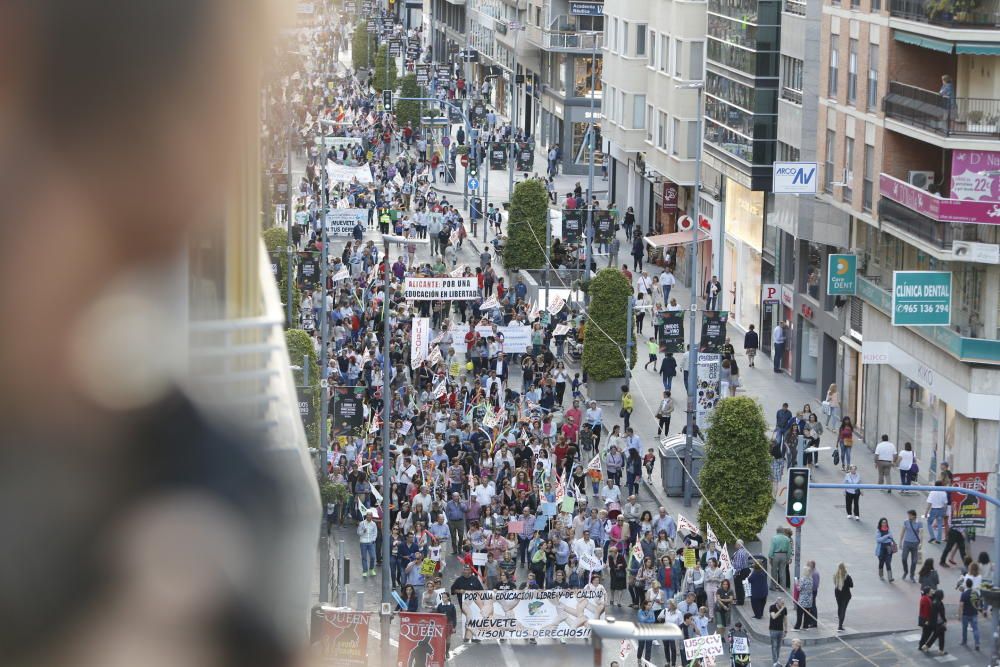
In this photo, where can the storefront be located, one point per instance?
(744, 215)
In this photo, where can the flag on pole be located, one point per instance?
(724, 561)
(635, 552)
(710, 533)
(378, 496)
(361, 508)
(560, 487)
(595, 463)
(684, 525)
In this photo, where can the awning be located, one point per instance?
(925, 42)
(677, 238)
(975, 49)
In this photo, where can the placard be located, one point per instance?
(525, 157)
(440, 289)
(422, 640)
(713, 331)
(344, 637)
(341, 221)
(531, 614)
(672, 331)
(420, 332)
(703, 647)
(479, 558)
(512, 339)
(498, 156)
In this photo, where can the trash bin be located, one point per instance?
(672, 464)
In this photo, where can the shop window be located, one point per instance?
(813, 276)
(584, 76)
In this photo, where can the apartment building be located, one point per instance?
(908, 140)
(653, 52)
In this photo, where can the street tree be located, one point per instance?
(385, 70)
(525, 246)
(607, 326)
(408, 111)
(735, 479)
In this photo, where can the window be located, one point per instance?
(652, 48)
(876, 5)
(872, 77)
(624, 39)
(696, 61)
(608, 105)
(852, 72)
(831, 89)
(649, 123)
(847, 193)
(583, 75)
(787, 152)
(831, 138)
(791, 79)
(678, 46)
(613, 44)
(638, 109)
(664, 53)
(640, 39)
(692, 139)
(620, 108)
(661, 130)
(677, 137)
(868, 188)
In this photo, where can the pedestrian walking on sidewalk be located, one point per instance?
(842, 585)
(885, 547)
(777, 626)
(937, 622)
(970, 603)
(653, 348)
(910, 538)
(803, 596)
(751, 343)
(885, 457)
(928, 576)
(831, 405)
(663, 414)
(845, 442)
(797, 658)
(853, 496)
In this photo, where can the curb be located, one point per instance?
(812, 641)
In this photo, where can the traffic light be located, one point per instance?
(473, 169)
(387, 100)
(797, 502)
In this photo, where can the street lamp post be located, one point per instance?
(517, 27)
(692, 387)
(589, 236)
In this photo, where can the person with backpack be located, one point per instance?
(970, 602)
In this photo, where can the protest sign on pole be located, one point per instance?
(419, 340)
(686, 526)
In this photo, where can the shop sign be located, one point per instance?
(794, 178)
(787, 296)
(975, 175)
(770, 292)
(586, 8)
(807, 312)
(670, 192)
(842, 275)
(968, 511)
(939, 208)
(921, 298)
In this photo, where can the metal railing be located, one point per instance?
(795, 7)
(565, 39)
(938, 234)
(955, 14)
(927, 109)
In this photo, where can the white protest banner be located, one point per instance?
(341, 221)
(457, 273)
(419, 340)
(343, 274)
(434, 358)
(513, 339)
(489, 304)
(531, 614)
(479, 558)
(533, 312)
(703, 647)
(595, 463)
(625, 650)
(686, 526)
(557, 304)
(724, 561)
(341, 173)
(440, 289)
(710, 534)
(439, 389)
(560, 330)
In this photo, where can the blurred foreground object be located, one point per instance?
(158, 501)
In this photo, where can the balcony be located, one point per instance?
(562, 36)
(935, 208)
(971, 350)
(968, 117)
(948, 14)
(937, 234)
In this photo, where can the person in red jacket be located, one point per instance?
(924, 616)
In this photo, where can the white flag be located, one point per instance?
(378, 496)
(686, 526)
(489, 304)
(625, 650)
(595, 463)
(725, 563)
(710, 533)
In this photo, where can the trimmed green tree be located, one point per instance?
(385, 70)
(525, 246)
(276, 242)
(606, 329)
(360, 45)
(408, 111)
(735, 479)
(300, 347)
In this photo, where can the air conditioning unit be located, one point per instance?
(920, 179)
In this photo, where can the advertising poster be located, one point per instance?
(305, 396)
(709, 368)
(498, 156)
(308, 272)
(969, 511)
(572, 225)
(343, 639)
(672, 331)
(974, 175)
(346, 409)
(604, 227)
(525, 157)
(422, 640)
(531, 614)
(440, 289)
(713, 331)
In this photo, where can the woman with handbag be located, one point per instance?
(885, 547)
(845, 441)
(907, 462)
(831, 406)
(663, 414)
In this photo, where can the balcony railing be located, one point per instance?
(928, 110)
(795, 7)
(938, 234)
(980, 15)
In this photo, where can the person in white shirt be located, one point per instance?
(937, 504)
(885, 456)
(667, 282)
(907, 459)
(610, 493)
(484, 493)
(424, 499)
(367, 534)
(584, 546)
